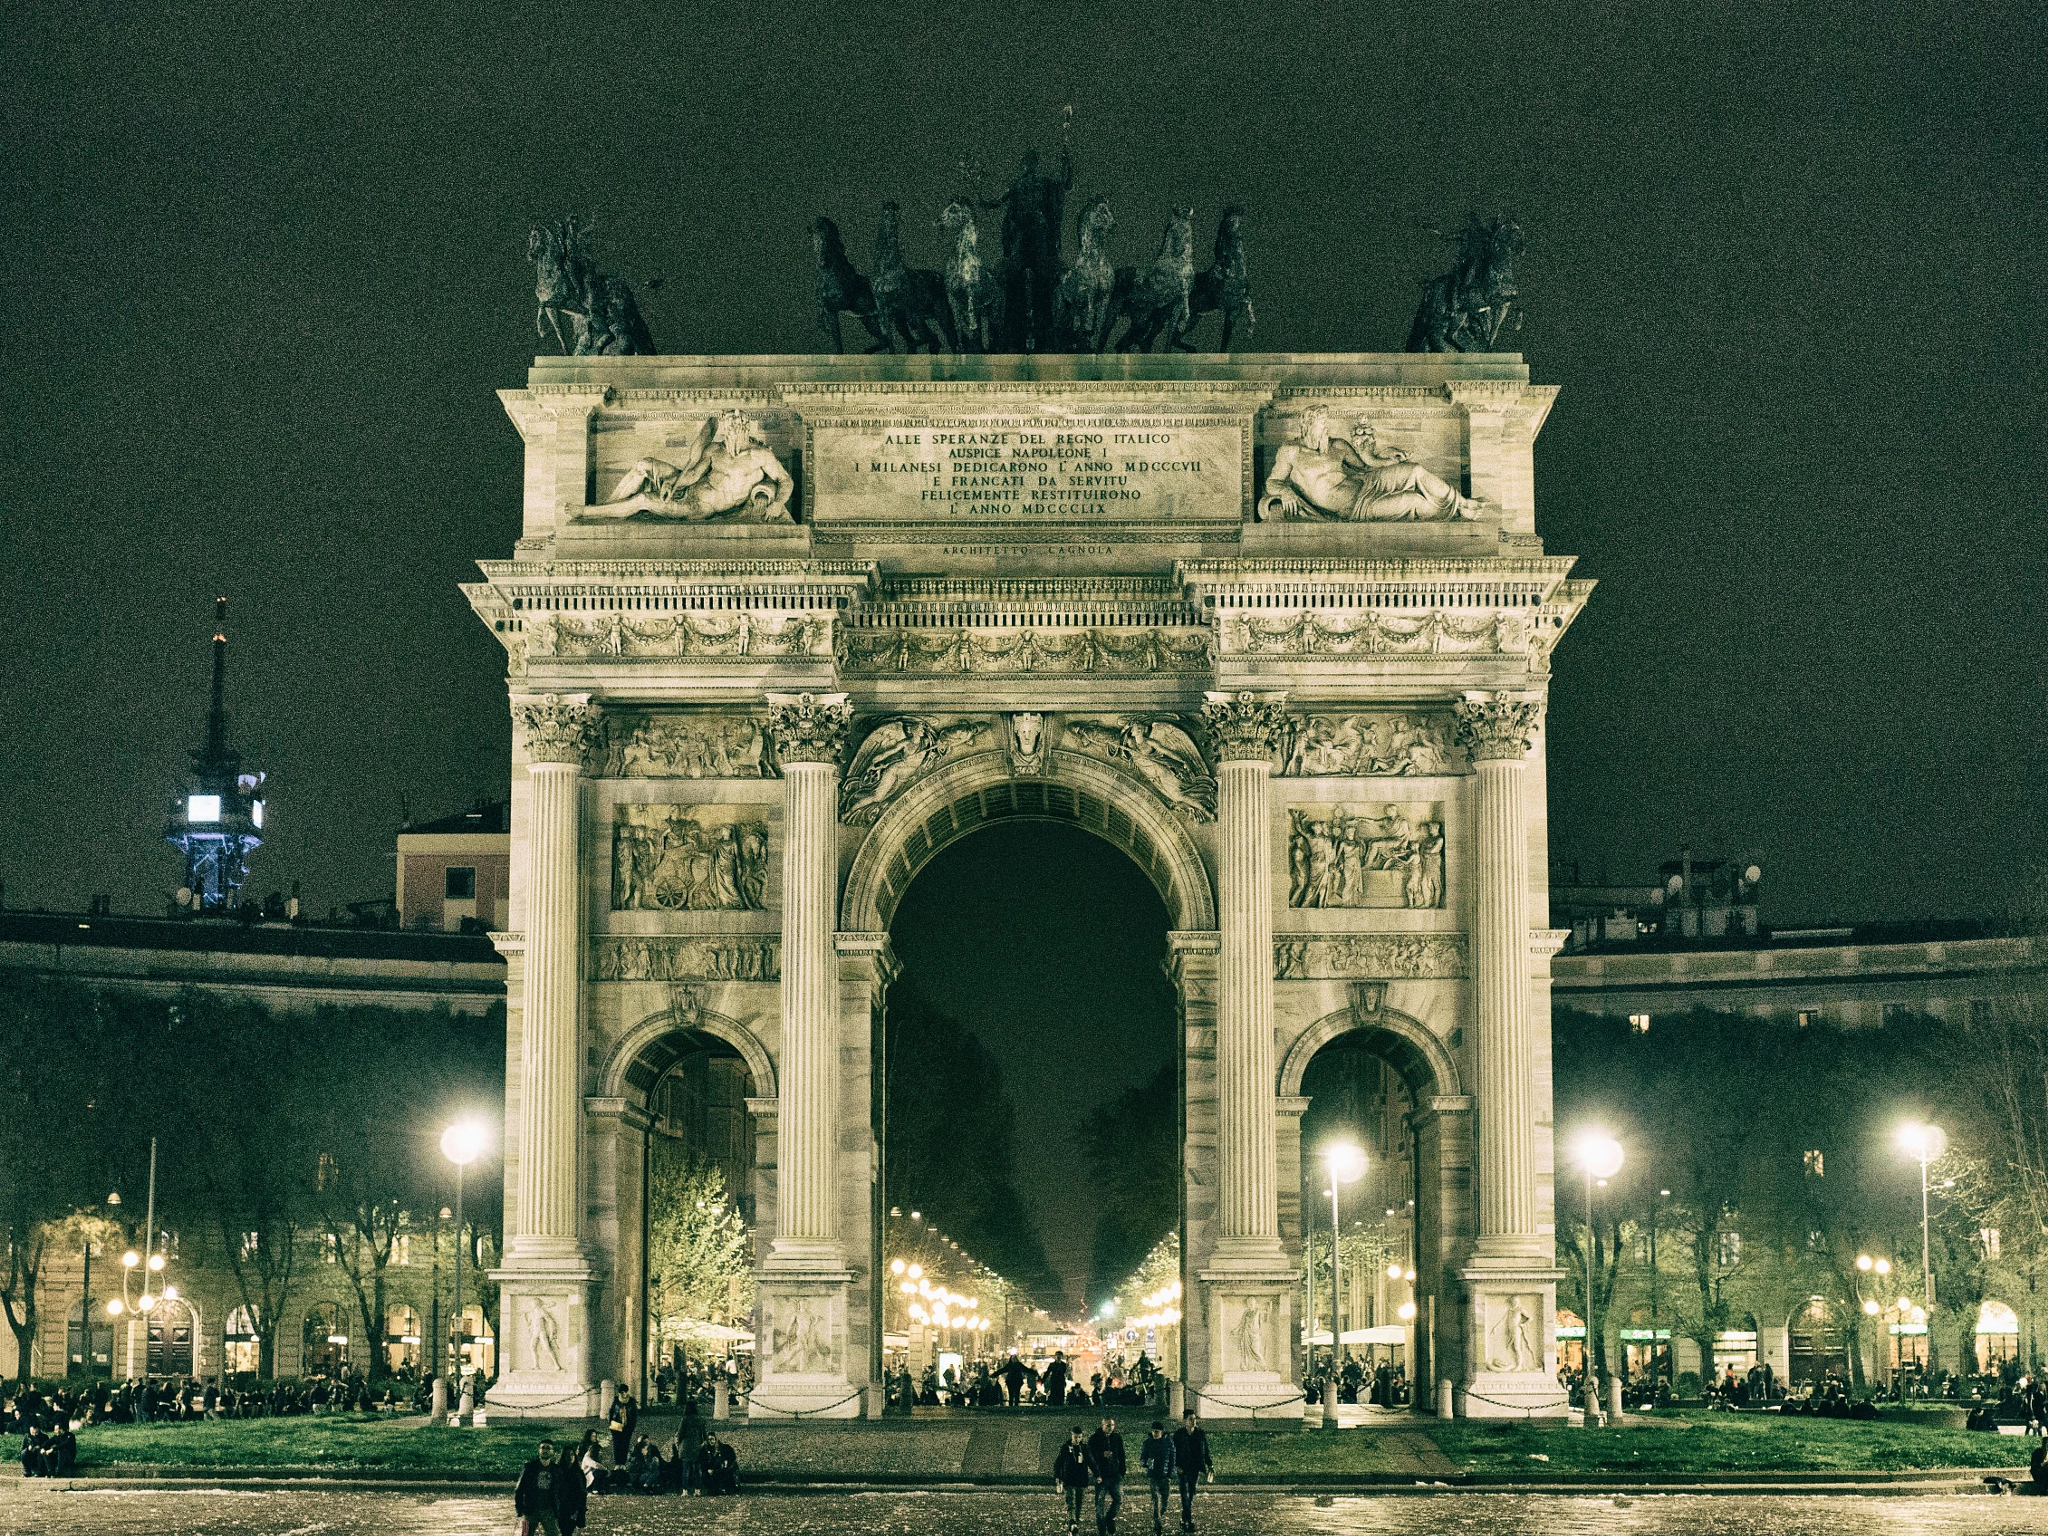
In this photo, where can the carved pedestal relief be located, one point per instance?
(1366, 856)
(673, 858)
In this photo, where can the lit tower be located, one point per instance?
(217, 816)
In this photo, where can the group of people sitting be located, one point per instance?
(1022, 1384)
(49, 1453)
(693, 1460)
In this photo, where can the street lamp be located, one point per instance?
(1924, 1143)
(1599, 1156)
(1346, 1164)
(462, 1144)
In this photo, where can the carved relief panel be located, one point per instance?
(1366, 745)
(687, 746)
(1366, 856)
(694, 858)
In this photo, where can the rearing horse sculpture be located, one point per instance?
(910, 299)
(604, 318)
(841, 289)
(1468, 308)
(1224, 289)
(1081, 305)
(1153, 301)
(973, 294)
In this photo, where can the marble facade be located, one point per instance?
(1039, 586)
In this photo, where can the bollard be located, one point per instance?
(877, 1400)
(440, 1398)
(721, 1401)
(1614, 1398)
(467, 1404)
(607, 1394)
(1446, 1400)
(1329, 1405)
(1176, 1400)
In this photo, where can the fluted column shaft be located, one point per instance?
(1498, 731)
(1248, 1205)
(557, 732)
(807, 1207)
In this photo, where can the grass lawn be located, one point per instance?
(409, 1444)
(1666, 1444)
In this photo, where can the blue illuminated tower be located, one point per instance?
(217, 816)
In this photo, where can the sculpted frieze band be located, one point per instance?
(695, 746)
(1310, 634)
(674, 858)
(1385, 956)
(1024, 650)
(615, 636)
(1340, 857)
(721, 957)
(1362, 745)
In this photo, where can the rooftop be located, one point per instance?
(230, 936)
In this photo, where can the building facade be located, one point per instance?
(455, 872)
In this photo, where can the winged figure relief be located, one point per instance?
(1161, 753)
(894, 753)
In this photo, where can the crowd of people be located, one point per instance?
(1099, 1462)
(1018, 1383)
(554, 1490)
(1384, 1385)
(175, 1399)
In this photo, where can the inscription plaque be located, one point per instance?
(1032, 467)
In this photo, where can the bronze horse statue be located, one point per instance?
(911, 300)
(841, 289)
(1224, 289)
(974, 294)
(1468, 308)
(604, 317)
(1153, 301)
(1081, 305)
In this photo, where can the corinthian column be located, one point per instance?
(1244, 727)
(1499, 730)
(558, 732)
(810, 733)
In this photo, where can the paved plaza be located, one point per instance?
(54, 1511)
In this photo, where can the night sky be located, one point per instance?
(267, 269)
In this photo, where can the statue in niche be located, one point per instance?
(1363, 745)
(667, 860)
(894, 753)
(1338, 859)
(1517, 1343)
(1249, 1337)
(842, 290)
(727, 471)
(1472, 305)
(1355, 480)
(604, 317)
(1161, 753)
(1225, 289)
(542, 1333)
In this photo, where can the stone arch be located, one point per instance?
(979, 791)
(1409, 1046)
(648, 1049)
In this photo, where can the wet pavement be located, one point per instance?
(55, 1511)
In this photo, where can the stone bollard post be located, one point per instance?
(1446, 1399)
(877, 1399)
(1330, 1404)
(607, 1394)
(466, 1405)
(1614, 1398)
(440, 1398)
(721, 1400)
(1176, 1400)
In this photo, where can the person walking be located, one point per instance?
(1106, 1461)
(1190, 1462)
(551, 1499)
(1155, 1456)
(1070, 1475)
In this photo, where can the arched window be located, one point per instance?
(241, 1351)
(326, 1342)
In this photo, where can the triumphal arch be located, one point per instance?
(778, 629)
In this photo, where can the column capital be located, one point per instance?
(809, 727)
(557, 727)
(1245, 726)
(1500, 725)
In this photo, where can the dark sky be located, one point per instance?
(266, 269)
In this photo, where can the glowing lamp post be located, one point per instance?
(1346, 1165)
(462, 1144)
(1599, 1156)
(1925, 1144)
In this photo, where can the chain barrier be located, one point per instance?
(806, 1413)
(1255, 1409)
(1527, 1411)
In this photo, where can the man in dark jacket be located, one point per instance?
(1013, 1377)
(1106, 1461)
(1056, 1379)
(1190, 1461)
(1070, 1475)
(1156, 1457)
(625, 1417)
(551, 1496)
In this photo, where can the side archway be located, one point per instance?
(1408, 1045)
(979, 791)
(647, 1050)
